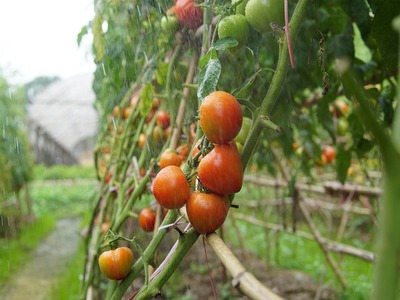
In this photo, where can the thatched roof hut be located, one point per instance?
(63, 121)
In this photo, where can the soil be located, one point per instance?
(193, 282)
(34, 280)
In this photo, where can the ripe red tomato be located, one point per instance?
(328, 154)
(170, 188)
(221, 170)
(169, 158)
(147, 219)
(207, 212)
(163, 119)
(116, 264)
(220, 117)
(188, 13)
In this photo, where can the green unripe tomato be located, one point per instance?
(234, 26)
(260, 13)
(169, 24)
(240, 8)
(244, 131)
(342, 126)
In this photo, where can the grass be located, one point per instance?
(42, 172)
(63, 200)
(51, 201)
(15, 252)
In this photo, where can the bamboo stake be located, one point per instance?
(311, 224)
(243, 280)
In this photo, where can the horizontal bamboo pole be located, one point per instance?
(330, 245)
(328, 187)
(309, 202)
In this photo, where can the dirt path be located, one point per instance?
(34, 280)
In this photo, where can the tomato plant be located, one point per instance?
(221, 170)
(170, 188)
(116, 264)
(188, 13)
(293, 111)
(220, 117)
(207, 212)
(147, 219)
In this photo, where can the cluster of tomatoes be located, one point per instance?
(219, 172)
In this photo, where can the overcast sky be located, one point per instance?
(39, 38)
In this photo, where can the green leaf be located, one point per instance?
(208, 78)
(225, 43)
(211, 54)
(362, 52)
(343, 160)
(146, 99)
(386, 37)
(161, 72)
(238, 92)
(81, 34)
